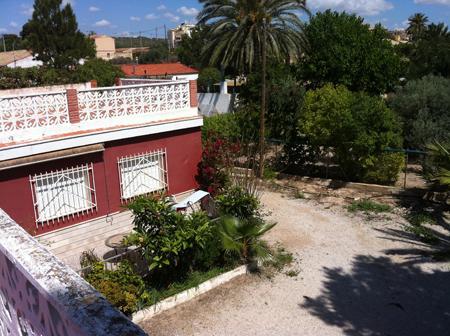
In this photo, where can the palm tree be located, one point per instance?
(440, 155)
(437, 31)
(417, 25)
(245, 32)
(242, 236)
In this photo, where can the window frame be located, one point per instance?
(160, 156)
(51, 178)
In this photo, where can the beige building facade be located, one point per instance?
(105, 47)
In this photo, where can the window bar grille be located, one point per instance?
(129, 189)
(63, 194)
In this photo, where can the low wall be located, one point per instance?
(41, 296)
(45, 89)
(215, 103)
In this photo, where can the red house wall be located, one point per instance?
(183, 150)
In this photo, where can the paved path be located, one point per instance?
(357, 277)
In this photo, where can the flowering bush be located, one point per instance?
(217, 161)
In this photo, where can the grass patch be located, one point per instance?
(192, 280)
(368, 206)
(423, 233)
(281, 258)
(420, 218)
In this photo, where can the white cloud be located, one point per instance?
(188, 11)
(172, 17)
(135, 18)
(161, 8)
(13, 24)
(363, 7)
(433, 2)
(151, 16)
(93, 9)
(102, 23)
(26, 10)
(3, 30)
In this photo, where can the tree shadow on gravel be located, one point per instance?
(378, 297)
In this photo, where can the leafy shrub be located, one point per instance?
(439, 163)
(213, 172)
(424, 107)
(423, 233)
(368, 206)
(207, 78)
(122, 287)
(238, 202)
(385, 168)
(224, 126)
(173, 243)
(356, 127)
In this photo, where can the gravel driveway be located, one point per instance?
(356, 277)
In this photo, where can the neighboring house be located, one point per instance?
(175, 35)
(156, 71)
(71, 160)
(105, 46)
(18, 59)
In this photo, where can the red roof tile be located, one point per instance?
(162, 69)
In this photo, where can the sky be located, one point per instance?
(148, 17)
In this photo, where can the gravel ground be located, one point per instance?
(356, 276)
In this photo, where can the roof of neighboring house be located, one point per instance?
(9, 56)
(162, 69)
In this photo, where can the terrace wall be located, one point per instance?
(40, 296)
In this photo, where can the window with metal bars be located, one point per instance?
(143, 174)
(60, 194)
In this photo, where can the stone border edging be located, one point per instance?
(187, 295)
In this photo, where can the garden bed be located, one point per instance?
(180, 295)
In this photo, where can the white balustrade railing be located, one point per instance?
(132, 100)
(23, 113)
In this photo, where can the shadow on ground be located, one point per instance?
(379, 297)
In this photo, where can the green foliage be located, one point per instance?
(52, 34)
(430, 52)
(100, 70)
(281, 258)
(284, 106)
(158, 53)
(12, 42)
(368, 206)
(357, 127)
(343, 50)
(417, 24)
(385, 168)
(423, 233)
(189, 49)
(235, 36)
(237, 202)
(122, 287)
(172, 242)
(424, 107)
(214, 170)
(207, 78)
(243, 237)
(225, 126)
(420, 218)
(440, 162)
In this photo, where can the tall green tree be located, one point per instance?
(344, 50)
(52, 34)
(417, 24)
(189, 50)
(244, 33)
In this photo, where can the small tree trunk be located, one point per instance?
(262, 113)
